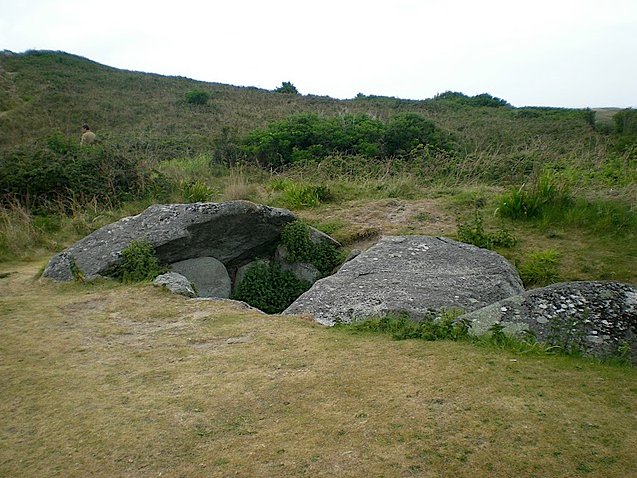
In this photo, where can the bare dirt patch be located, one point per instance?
(364, 222)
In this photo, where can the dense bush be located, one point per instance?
(483, 99)
(406, 131)
(310, 137)
(269, 288)
(197, 97)
(626, 122)
(287, 87)
(62, 173)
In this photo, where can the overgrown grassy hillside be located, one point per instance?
(562, 182)
(47, 91)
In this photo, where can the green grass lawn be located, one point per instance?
(113, 380)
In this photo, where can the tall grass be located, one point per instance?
(17, 232)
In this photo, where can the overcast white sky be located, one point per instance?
(542, 52)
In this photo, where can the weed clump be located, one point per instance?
(139, 263)
(298, 195)
(546, 197)
(473, 233)
(540, 269)
(197, 191)
(443, 326)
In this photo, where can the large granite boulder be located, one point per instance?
(412, 274)
(593, 318)
(233, 232)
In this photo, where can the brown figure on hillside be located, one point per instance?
(88, 136)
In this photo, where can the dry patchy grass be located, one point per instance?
(112, 380)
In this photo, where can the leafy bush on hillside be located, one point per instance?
(288, 88)
(45, 177)
(197, 97)
(483, 99)
(626, 122)
(407, 131)
(310, 137)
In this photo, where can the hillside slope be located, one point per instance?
(43, 91)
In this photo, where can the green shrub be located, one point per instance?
(288, 88)
(405, 131)
(626, 130)
(474, 233)
(483, 99)
(45, 178)
(197, 97)
(626, 122)
(309, 137)
(268, 288)
(540, 269)
(295, 236)
(138, 264)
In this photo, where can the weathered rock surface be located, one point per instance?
(175, 283)
(412, 274)
(232, 232)
(208, 275)
(594, 318)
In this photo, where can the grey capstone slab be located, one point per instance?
(416, 275)
(207, 274)
(594, 318)
(232, 232)
(175, 283)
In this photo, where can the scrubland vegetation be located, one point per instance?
(162, 387)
